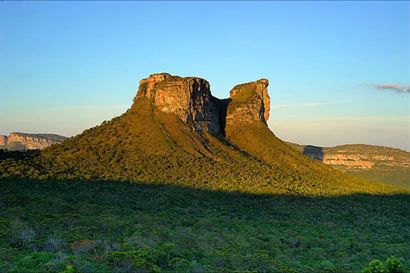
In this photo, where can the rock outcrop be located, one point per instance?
(189, 98)
(249, 102)
(357, 156)
(3, 140)
(156, 141)
(22, 141)
(349, 161)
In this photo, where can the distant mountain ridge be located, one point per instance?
(24, 141)
(176, 132)
(378, 163)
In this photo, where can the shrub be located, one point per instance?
(180, 264)
(22, 234)
(391, 265)
(37, 262)
(375, 266)
(136, 260)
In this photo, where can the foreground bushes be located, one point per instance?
(85, 227)
(391, 265)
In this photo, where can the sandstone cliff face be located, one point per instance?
(22, 141)
(189, 98)
(249, 103)
(3, 140)
(352, 159)
(30, 141)
(349, 161)
(357, 156)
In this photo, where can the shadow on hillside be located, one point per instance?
(237, 230)
(343, 211)
(12, 154)
(313, 152)
(124, 193)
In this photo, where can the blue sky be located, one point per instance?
(67, 66)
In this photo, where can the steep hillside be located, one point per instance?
(22, 141)
(176, 132)
(377, 163)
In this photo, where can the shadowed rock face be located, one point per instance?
(190, 99)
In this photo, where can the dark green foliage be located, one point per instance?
(135, 260)
(56, 226)
(34, 262)
(375, 266)
(391, 265)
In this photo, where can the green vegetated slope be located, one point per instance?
(74, 226)
(301, 173)
(394, 176)
(371, 162)
(146, 145)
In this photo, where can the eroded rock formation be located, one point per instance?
(190, 99)
(249, 102)
(22, 141)
(357, 156)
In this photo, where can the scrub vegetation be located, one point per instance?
(146, 192)
(75, 226)
(145, 145)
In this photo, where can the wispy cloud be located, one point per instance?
(392, 86)
(305, 104)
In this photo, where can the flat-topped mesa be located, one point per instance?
(23, 141)
(189, 98)
(249, 102)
